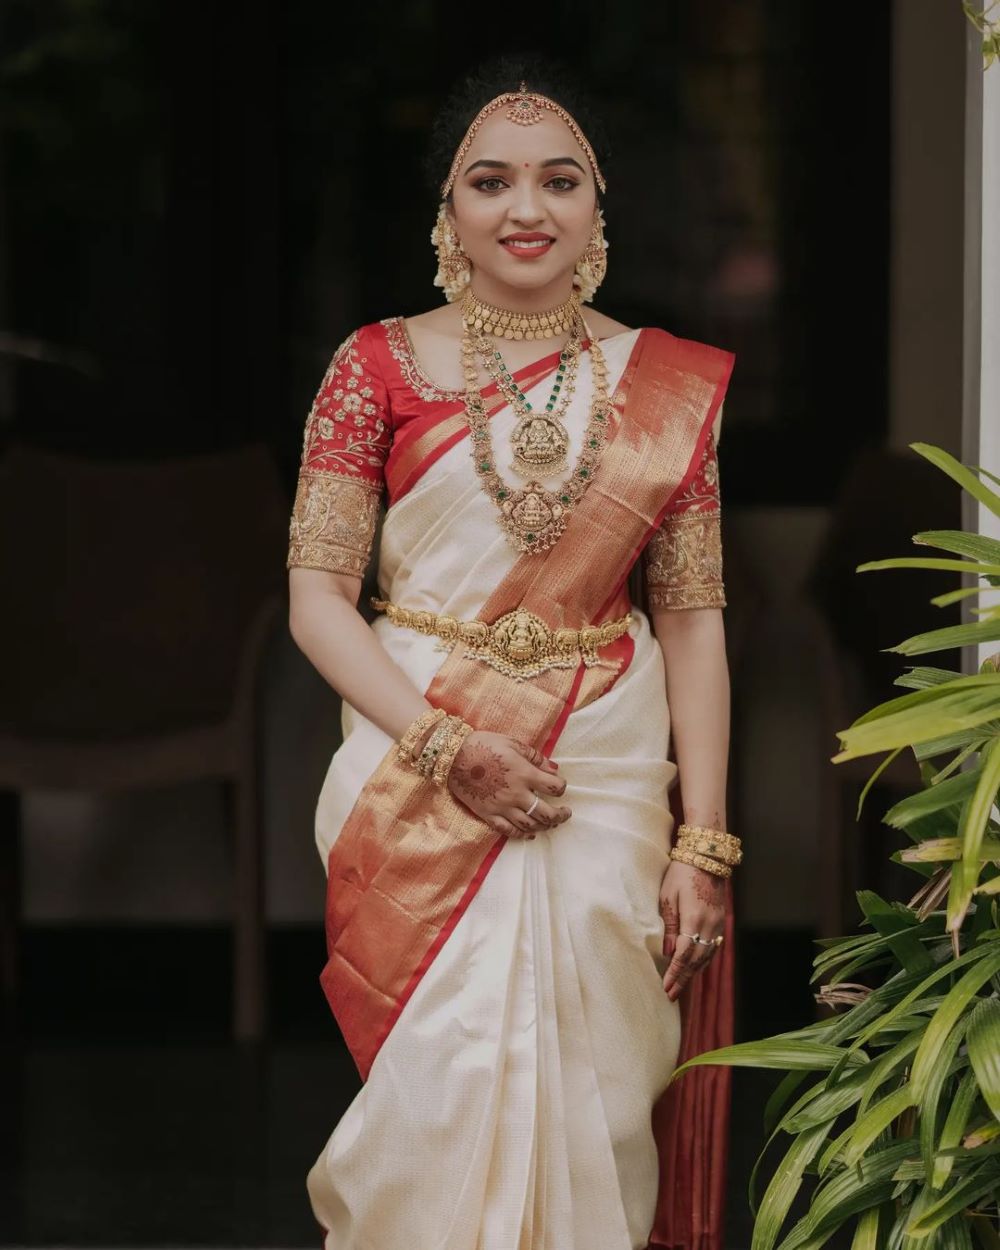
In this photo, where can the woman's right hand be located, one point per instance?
(497, 777)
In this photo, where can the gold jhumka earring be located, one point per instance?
(454, 267)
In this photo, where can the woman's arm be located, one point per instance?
(329, 630)
(327, 627)
(693, 901)
(693, 642)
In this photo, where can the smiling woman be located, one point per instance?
(515, 1010)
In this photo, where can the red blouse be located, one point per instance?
(372, 390)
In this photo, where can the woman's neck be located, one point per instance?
(521, 299)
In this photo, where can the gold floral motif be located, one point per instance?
(684, 562)
(337, 436)
(333, 523)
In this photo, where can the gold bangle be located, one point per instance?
(442, 766)
(714, 866)
(705, 844)
(415, 731)
(433, 746)
(707, 841)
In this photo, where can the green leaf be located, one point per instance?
(787, 1086)
(846, 1193)
(984, 1050)
(947, 1015)
(771, 1053)
(924, 676)
(931, 562)
(942, 711)
(978, 956)
(944, 849)
(987, 630)
(866, 1231)
(967, 1191)
(930, 1096)
(954, 1128)
(860, 1084)
(959, 473)
(874, 777)
(924, 802)
(855, 1140)
(978, 546)
(955, 1234)
(979, 813)
(784, 1185)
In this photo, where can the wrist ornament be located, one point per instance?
(715, 843)
(415, 732)
(683, 855)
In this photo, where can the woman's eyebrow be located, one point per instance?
(555, 160)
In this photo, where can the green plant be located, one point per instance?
(892, 1103)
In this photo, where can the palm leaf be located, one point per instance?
(984, 1050)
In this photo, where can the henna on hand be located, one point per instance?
(479, 771)
(709, 888)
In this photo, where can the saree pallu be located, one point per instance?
(503, 998)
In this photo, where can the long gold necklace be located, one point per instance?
(539, 440)
(533, 517)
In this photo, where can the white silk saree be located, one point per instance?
(503, 997)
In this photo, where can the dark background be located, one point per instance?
(197, 204)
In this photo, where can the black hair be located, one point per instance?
(546, 75)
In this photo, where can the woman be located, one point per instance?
(508, 931)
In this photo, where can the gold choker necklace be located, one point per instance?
(507, 324)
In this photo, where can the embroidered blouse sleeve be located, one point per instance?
(344, 448)
(684, 556)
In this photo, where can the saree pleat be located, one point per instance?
(512, 1067)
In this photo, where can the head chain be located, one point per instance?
(525, 109)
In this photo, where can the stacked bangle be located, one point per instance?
(714, 842)
(414, 733)
(440, 746)
(715, 866)
(446, 758)
(713, 850)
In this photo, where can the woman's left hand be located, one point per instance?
(691, 901)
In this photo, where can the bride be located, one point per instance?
(522, 940)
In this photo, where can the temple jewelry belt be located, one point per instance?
(518, 644)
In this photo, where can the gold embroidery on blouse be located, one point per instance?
(333, 523)
(703, 489)
(343, 414)
(401, 346)
(684, 562)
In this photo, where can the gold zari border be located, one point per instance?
(684, 562)
(333, 523)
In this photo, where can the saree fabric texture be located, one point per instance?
(502, 998)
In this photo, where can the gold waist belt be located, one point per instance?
(518, 644)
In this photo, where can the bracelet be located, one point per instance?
(435, 743)
(705, 841)
(714, 866)
(447, 757)
(415, 731)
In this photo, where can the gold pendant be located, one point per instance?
(533, 517)
(540, 444)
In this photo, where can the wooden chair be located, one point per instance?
(138, 601)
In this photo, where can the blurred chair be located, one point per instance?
(139, 599)
(886, 498)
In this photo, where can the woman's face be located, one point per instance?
(531, 180)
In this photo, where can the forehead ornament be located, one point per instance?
(525, 108)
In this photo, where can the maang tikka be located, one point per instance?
(454, 267)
